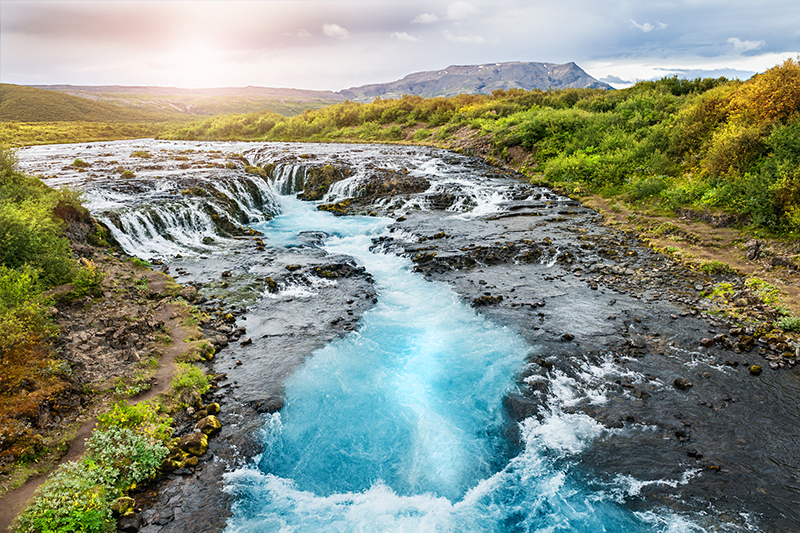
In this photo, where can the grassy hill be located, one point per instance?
(28, 104)
(183, 103)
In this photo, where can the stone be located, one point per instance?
(292, 268)
(247, 341)
(707, 343)
(682, 384)
(189, 293)
(130, 523)
(194, 443)
(272, 404)
(212, 408)
(209, 425)
(122, 506)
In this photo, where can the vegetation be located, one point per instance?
(29, 104)
(710, 144)
(31, 133)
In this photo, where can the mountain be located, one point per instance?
(29, 104)
(204, 102)
(114, 103)
(480, 79)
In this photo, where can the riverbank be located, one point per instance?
(121, 343)
(629, 338)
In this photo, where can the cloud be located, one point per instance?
(647, 27)
(403, 36)
(745, 46)
(465, 39)
(300, 34)
(461, 10)
(616, 79)
(425, 18)
(335, 31)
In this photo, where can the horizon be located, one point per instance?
(335, 45)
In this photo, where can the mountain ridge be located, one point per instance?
(480, 79)
(178, 103)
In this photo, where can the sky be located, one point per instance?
(337, 44)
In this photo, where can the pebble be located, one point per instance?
(682, 384)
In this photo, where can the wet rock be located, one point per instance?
(247, 341)
(122, 506)
(226, 274)
(272, 285)
(706, 342)
(292, 268)
(272, 404)
(755, 369)
(189, 293)
(130, 523)
(194, 443)
(212, 408)
(682, 383)
(210, 425)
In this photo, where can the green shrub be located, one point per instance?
(125, 456)
(73, 499)
(644, 187)
(148, 418)
(80, 163)
(788, 323)
(87, 280)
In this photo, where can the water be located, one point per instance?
(400, 427)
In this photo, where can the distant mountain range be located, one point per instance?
(479, 79)
(142, 103)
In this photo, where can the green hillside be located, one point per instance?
(28, 104)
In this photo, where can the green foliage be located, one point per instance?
(22, 315)
(766, 292)
(78, 496)
(144, 154)
(189, 378)
(149, 418)
(125, 456)
(73, 499)
(788, 323)
(80, 163)
(87, 280)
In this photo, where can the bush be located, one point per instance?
(78, 496)
(148, 418)
(73, 499)
(788, 323)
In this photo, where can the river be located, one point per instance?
(405, 419)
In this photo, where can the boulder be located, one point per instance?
(209, 425)
(682, 384)
(122, 506)
(194, 443)
(130, 523)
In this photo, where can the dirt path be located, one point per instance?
(15, 500)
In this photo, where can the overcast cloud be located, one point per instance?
(335, 44)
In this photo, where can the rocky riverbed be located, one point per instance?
(698, 413)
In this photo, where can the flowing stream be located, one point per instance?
(398, 425)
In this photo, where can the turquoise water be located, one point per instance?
(399, 426)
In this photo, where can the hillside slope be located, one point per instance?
(202, 102)
(479, 79)
(29, 104)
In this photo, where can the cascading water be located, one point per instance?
(400, 427)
